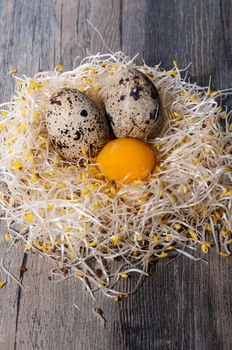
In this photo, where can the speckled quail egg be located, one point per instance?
(132, 105)
(75, 123)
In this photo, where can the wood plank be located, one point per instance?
(45, 316)
(183, 305)
(191, 301)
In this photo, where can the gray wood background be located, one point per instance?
(183, 305)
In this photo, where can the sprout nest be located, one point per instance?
(100, 231)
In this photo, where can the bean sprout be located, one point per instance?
(100, 231)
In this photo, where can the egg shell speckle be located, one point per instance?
(132, 105)
(74, 122)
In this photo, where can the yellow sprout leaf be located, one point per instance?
(228, 193)
(96, 205)
(83, 175)
(120, 297)
(85, 227)
(205, 247)
(163, 255)
(81, 87)
(92, 244)
(28, 155)
(83, 151)
(41, 138)
(89, 81)
(173, 74)
(193, 234)
(79, 274)
(135, 252)
(101, 284)
(213, 94)
(115, 240)
(174, 63)
(84, 192)
(36, 115)
(34, 177)
(123, 275)
(2, 284)
(47, 186)
(68, 229)
(224, 232)
(16, 165)
(35, 85)
(50, 206)
(177, 226)
(224, 254)
(229, 242)
(4, 114)
(7, 237)
(139, 201)
(27, 246)
(194, 99)
(203, 178)
(29, 217)
(217, 216)
(56, 159)
(137, 183)
(2, 127)
(61, 211)
(24, 112)
(155, 238)
(59, 67)
(61, 185)
(196, 161)
(185, 189)
(170, 248)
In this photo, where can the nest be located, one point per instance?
(99, 231)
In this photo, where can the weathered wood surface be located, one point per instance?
(184, 305)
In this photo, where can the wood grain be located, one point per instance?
(183, 305)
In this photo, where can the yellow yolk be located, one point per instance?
(126, 160)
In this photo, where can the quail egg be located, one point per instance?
(75, 123)
(132, 105)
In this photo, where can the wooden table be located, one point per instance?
(184, 305)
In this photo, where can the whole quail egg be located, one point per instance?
(75, 123)
(132, 105)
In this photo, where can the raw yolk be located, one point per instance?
(126, 159)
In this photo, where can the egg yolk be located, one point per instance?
(126, 159)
